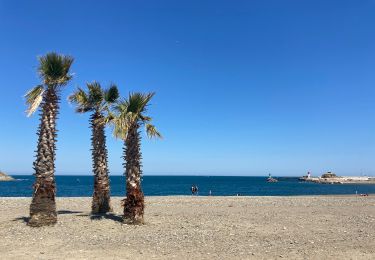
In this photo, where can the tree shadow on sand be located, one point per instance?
(60, 212)
(110, 216)
(22, 219)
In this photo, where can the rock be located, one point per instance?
(329, 175)
(4, 177)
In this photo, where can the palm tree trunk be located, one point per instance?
(101, 196)
(43, 205)
(134, 201)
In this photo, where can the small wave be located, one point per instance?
(21, 179)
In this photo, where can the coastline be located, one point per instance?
(186, 227)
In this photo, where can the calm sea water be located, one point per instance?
(77, 186)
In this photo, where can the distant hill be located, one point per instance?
(4, 177)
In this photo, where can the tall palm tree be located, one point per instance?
(97, 101)
(129, 116)
(54, 71)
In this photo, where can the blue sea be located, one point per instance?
(78, 186)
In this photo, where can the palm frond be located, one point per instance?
(95, 98)
(152, 132)
(138, 102)
(82, 109)
(145, 119)
(130, 111)
(111, 94)
(54, 69)
(121, 107)
(81, 99)
(33, 99)
(95, 93)
(121, 119)
(120, 126)
(109, 117)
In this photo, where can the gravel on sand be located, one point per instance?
(184, 227)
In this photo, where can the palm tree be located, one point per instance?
(130, 116)
(97, 101)
(54, 71)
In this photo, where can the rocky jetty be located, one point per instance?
(331, 178)
(4, 177)
(270, 179)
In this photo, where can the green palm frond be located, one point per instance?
(111, 94)
(121, 107)
(81, 99)
(152, 132)
(95, 99)
(96, 95)
(33, 99)
(54, 69)
(138, 102)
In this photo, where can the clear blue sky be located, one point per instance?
(243, 87)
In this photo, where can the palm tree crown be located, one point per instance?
(54, 71)
(95, 99)
(133, 111)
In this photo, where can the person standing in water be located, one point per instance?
(193, 189)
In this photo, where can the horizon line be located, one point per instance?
(191, 175)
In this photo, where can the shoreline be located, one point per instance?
(213, 196)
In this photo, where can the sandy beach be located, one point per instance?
(320, 227)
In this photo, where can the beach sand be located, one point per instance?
(178, 227)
